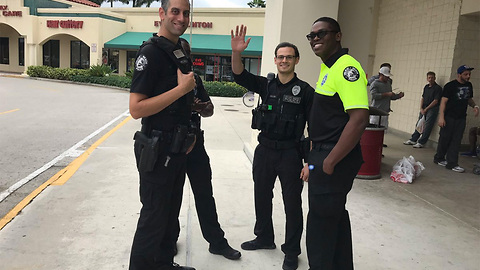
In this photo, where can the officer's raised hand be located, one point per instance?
(238, 39)
(185, 81)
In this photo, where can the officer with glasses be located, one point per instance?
(281, 119)
(338, 118)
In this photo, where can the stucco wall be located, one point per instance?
(416, 37)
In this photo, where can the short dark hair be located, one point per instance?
(386, 65)
(287, 44)
(166, 3)
(333, 23)
(431, 73)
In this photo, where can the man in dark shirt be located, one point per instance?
(199, 174)
(338, 118)
(161, 94)
(429, 104)
(457, 95)
(281, 118)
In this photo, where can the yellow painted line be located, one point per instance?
(10, 111)
(60, 177)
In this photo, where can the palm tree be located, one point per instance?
(257, 4)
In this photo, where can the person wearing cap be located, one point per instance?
(429, 103)
(457, 95)
(382, 95)
(375, 77)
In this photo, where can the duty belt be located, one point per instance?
(322, 146)
(275, 144)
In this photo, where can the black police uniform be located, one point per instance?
(285, 108)
(200, 175)
(160, 189)
(341, 86)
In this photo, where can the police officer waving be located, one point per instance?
(161, 94)
(281, 118)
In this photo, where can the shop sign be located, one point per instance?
(9, 13)
(64, 24)
(194, 24)
(198, 62)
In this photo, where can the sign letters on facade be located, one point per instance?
(64, 24)
(194, 24)
(9, 13)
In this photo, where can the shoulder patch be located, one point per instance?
(141, 63)
(351, 74)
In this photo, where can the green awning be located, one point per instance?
(208, 44)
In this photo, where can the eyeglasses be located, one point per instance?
(288, 57)
(320, 34)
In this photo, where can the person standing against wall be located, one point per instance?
(382, 95)
(429, 104)
(337, 121)
(456, 97)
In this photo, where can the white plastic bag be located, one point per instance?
(406, 170)
(421, 125)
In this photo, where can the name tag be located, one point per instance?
(292, 99)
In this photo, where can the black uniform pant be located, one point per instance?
(200, 175)
(449, 142)
(267, 165)
(161, 195)
(329, 238)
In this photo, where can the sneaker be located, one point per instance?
(418, 145)
(409, 142)
(458, 169)
(469, 154)
(442, 163)
(255, 244)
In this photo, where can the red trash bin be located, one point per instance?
(372, 146)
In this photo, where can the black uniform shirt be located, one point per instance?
(258, 84)
(155, 73)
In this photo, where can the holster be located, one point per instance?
(148, 148)
(182, 138)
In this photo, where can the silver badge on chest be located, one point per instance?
(296, 90)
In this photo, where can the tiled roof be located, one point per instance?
(85, 2)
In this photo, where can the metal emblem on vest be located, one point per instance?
(178, 53)
(351, 74)
(296, 90)
(292, 99)
(324, 79)
(141, 63)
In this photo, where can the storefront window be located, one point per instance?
(21, 51)
(199, 65)
(131, 60)
(51, 53)
(252, 65)
(4, 57)
(79, 55)
(113, 59)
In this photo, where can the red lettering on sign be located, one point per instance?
(52, 24)
(12, 13)
(3, 7)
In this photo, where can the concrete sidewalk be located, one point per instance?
(89, 222)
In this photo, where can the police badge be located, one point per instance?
(296, 90)
(141, 63)
(351, 74)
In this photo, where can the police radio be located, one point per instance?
(259, 112)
